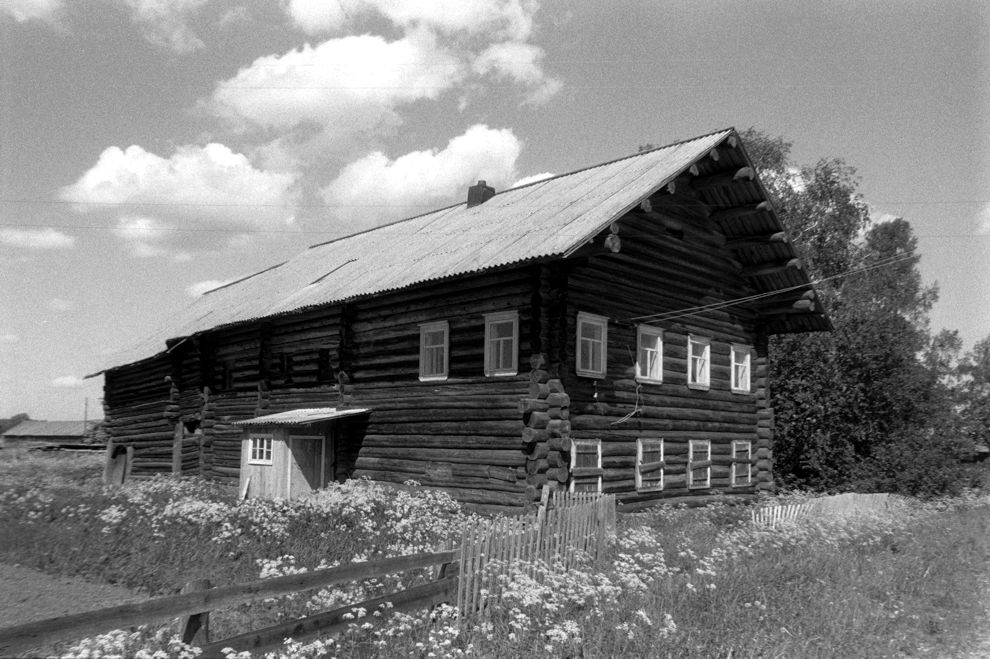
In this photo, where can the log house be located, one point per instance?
(603, 330)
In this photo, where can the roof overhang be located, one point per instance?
(302, 417)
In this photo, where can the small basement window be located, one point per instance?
(434, 345)
(699, 472)
(742, 463)
(260, 450)
(699, 362)
(740, 356)
(592, 343)
(586, 465)
(502, 343)
(649, 354)
(649, 465)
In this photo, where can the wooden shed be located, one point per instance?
(292, 453)
(605, 329)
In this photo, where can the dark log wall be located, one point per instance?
(656, 272)
(462, 434)
(489, 441)
(135, 402)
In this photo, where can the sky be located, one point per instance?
(152, 150)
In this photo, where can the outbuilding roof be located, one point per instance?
(53, 429)
(545, 219)
(301, 417)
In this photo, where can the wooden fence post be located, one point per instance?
(197, 621)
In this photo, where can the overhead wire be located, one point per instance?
(715, 306)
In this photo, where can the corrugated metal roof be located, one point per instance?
(49, 429)
(545, 219)
(301, 417)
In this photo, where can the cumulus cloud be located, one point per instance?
(316, 16)
(200, 287)
(165, 23)
(342, 86)
(984, 220)
(7, 339)
(502, 19)
(519, 62)
(526, 180)
(209, 183)
(68, 382)
(36, 238)
(59, 304)
(145, 236)
(26, 10)
(384, 188)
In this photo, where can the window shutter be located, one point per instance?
(650, 464)
(586, 465)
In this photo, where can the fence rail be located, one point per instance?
(571, 525)
(31, 635)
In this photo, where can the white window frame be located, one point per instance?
(597, 443)
(747, 446)
(584, 318)
(492, 319)
(261, 449)
(424, 330)
(703, 381)
(746, 353)
(648, 445)
(653, 333)
(705, 445)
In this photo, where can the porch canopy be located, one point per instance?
(302, 417)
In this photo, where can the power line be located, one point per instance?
(100, 227)
(235, 204)
(715, 306)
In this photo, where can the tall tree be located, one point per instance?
(854, 407)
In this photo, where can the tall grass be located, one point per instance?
(677, 583)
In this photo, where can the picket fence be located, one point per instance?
(849, 503)
(558, 534)
(573, 526)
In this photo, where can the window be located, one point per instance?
(699, 463)
(501, 343)
(740, 356)
(586, 465)
(649, 354)
(433, 350)
(742, 463)
(324, 370)
(649, 464)
(592, 341)
(699, 353)
(260, 450)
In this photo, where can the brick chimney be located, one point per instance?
(479, 194)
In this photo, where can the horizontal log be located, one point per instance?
(756, 240)
(506, 458)
(460, 442)
(728, 214)
(650, 467)
(770, 268)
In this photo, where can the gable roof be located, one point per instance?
(31, 428)
(545, 219)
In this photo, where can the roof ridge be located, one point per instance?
(244, 278)
(520, 187)
(620, 159)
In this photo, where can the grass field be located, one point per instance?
(678, 582)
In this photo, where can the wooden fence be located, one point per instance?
(573, 524)
(839, 504)
(557, 535)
